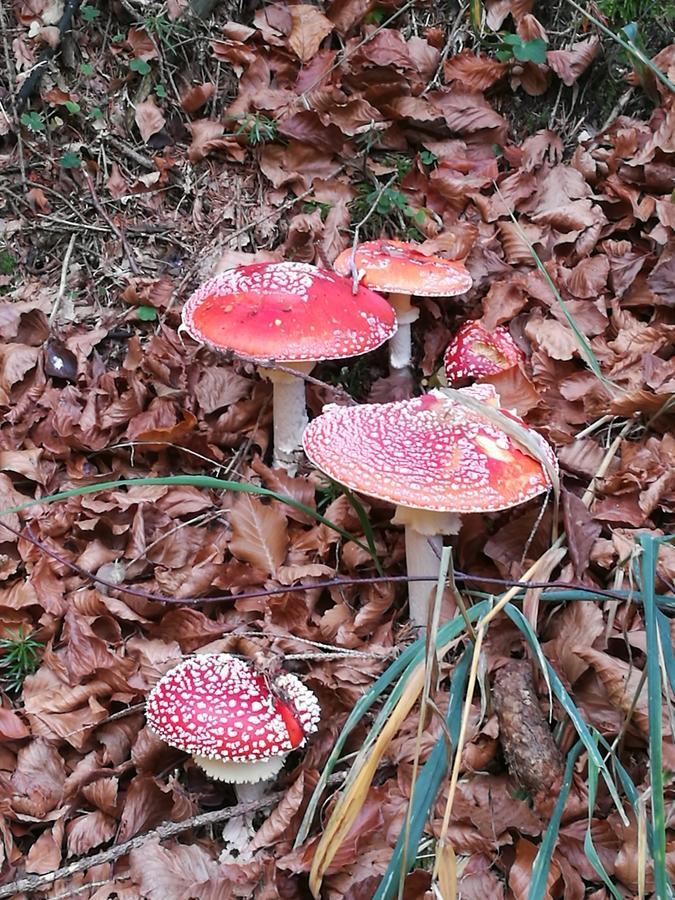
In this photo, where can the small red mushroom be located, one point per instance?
(401, 269)
(238, 725)
(475, 352)
(435, 459)
(291, 313)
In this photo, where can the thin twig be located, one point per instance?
(129, 253)
(11, 76)
(353, 271)
(64, 278)
(312, 586)
(167, 830)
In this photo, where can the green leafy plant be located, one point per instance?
(19, 657)
(89, 13)
(428, 158)
(160, 91)
(147, 313)
(86, 68)
(258, 129)
(512, 46)
(70, 160)
(140, 66)
(8, 262)
(167, 32)
(33, 121)
(391, 211)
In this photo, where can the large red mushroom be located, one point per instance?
(435, 459)
(289, 313)
(400, 270)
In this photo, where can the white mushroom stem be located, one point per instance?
(400, 345)
(289, 413)
(424, 530)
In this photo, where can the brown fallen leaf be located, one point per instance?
(148, 118)
(309, 28)
(259, 533)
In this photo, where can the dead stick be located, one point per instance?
(32, 883)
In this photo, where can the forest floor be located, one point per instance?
(157, 148)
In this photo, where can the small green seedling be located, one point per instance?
(86, 68)
(33, 121)
(427, 158)
(160, 90)
(70, 160)
(258, 129)
(8, 262)
(147, 313)
(19, 657)
(89, 13)
(140, 66)
(514, 47)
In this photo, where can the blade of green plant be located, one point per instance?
(432, 774)
(589, 846)
(430, 665)
(367, 527)
(568, 704)
(203, 481)
(542, 861)
(628, 47)
(666, 601)
(663, 625)
(585, 349)
(654, 704)
(407, 661)
(627, 782)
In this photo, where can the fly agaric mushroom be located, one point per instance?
(238, 725)
(401, 269)
(475, 352)
(291, 313)
(436, 459)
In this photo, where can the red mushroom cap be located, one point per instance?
(427, 453)
(219, 707)
(287, 311)
(475, 352)
(401, 268)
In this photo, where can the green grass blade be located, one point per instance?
(663, 624)
(589, 846)
(654, 702)
(568, 704)
(201, 481)
(585, 349)
(367, 527)
(405, 663)
(629, 47)
(430, 778)
(542, 862)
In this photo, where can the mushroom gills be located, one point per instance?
(240, 772)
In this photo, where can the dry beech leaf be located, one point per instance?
(259, 533)
(195, 97)
(582, 531)
(310, 27)
(475, 72)
(570, 64)
(148, 118)
(276, 826)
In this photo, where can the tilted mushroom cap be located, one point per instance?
(427, 453)
(287, 311)
(475, 352)
(218, 707)
(401, 268)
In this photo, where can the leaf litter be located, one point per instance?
(273, 141)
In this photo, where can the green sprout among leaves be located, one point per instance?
(19, 657)
(258, 129)
(33, 121)
(514, 47)
(70, 160)
(140, 66)
(89, 13)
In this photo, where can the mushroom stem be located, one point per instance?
(400, 345)
(289, 413)
(424, 530)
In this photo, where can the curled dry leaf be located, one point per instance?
(570, 64)
(148, 118)
(195, 97)
(475, 72)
